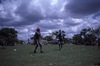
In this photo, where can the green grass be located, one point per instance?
(71, 55)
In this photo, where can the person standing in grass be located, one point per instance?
(37, 37)
(60, 39)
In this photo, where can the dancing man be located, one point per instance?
(60, 36)
(37, 37)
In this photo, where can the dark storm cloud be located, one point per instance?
(0, 1)
(4, 20)
(26, 13)
(71, 23)
(80, 8)
(21, 14)
(28, 16)
(96, 15)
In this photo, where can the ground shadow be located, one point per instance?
(97, 64)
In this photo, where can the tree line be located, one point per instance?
(87, 36)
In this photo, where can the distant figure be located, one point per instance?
(60, 39)
(37, 37)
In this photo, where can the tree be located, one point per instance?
(48, 38)
(77, 39)
(54, 33)
(9, 35)
(97, 33)
(87, 36)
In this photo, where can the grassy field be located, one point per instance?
(71, 55)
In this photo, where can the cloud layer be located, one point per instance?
(81, 8)
(50, 15)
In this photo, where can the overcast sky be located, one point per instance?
(50, 15)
